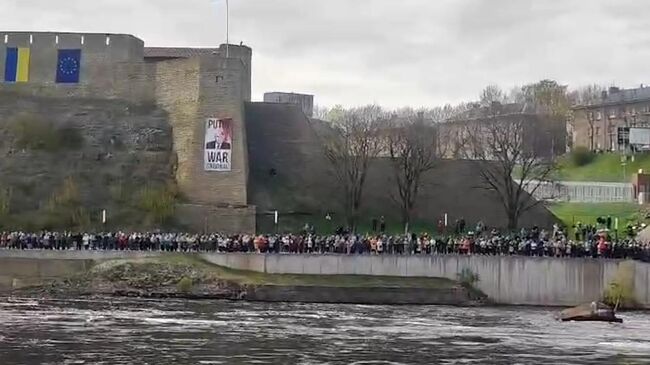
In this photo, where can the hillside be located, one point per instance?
(65, 160)
(587, 213)
(605, 167)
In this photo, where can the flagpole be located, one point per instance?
(227, 27)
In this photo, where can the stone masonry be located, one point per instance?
(191, 85)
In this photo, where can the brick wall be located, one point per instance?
(177, 91)
(195, 89)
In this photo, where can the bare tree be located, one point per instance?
(507, 163)
(549, 96)
(492, 94)
(587, 94)
(351, 147)
(413, 150)
(321, 112)
(328, 113)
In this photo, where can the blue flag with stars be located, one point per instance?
(68, 66)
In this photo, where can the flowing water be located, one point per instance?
(129, 331)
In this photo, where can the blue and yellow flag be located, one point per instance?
(17, 65)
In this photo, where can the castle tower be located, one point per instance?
(205, 97)
(203, 91)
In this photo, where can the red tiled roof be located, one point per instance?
(166, 52)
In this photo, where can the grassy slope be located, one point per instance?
(322, 226)
(571, 213)
(255, 278)
(605, 167)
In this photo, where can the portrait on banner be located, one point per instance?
(218, 144)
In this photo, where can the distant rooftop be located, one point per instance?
(616, 95)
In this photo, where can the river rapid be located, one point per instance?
(130, 331)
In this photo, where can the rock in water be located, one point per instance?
(594, 311)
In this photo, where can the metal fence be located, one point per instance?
(583, 192)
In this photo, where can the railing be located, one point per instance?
(583, 192)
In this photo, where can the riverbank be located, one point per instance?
(190, 277)
(506, 280)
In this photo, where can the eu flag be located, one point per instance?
(68, 66)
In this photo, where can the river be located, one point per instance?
(132, 331)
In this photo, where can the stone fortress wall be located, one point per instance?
(193, 84)
(190, 84)
(112, 65)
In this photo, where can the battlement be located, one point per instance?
(108, 47)
(100, 65)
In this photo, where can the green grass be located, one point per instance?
(605, 167)
(322, 226)
(256, 278)
(587, 213)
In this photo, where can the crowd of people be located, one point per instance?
(589, 242)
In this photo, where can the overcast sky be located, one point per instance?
(391, 52)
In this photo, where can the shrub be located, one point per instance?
(64, 209)
(35, 133)
(468, 278)
(184, 285)
(70, 137)
(581, 156)
(118, 192)
(67, 196)
(158, 203)
(6, 195)
(620, 292)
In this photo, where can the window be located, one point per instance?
(597, 131)
(599, 116)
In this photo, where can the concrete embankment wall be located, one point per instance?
(19, 269)
(506, 280)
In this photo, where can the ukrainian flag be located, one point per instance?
(17, 65)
